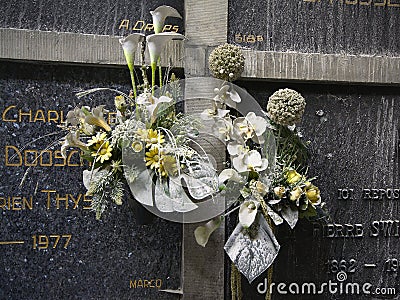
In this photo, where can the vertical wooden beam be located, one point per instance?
(206, 27)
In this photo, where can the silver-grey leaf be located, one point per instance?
(141, 188)
(252, 255)
(291, 215)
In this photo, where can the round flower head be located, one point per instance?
(226, 62)
(286, 107)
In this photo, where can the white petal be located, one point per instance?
(162, 99)
(235, 149)
(228, 174)
(253, 158)
(222, 112)
(157, 42)
(238, 164)
(259, 123)
(207, 114)
(264, 165)
(248, 212)
(202, 233)
(159, 15)
(234, 96)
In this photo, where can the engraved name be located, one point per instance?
(377, 3)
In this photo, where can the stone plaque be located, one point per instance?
(317, 26)
(354, 135)
(52, 246)
(119, 17)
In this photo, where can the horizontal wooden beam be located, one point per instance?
(317, 67)
(65, 47)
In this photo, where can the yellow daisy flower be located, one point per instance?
(97, 140)
(103, 152)
(154, 137)
(153, 158)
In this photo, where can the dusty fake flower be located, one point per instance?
(120, 103)
(261, 188)
(159, 15)
(226, 62)
(222, 128)
(313, 194)
(154, 138)
(286, 107)
(229, 174)
(296, 193)
(292, 177)
(71, 140)
(279, 191)
(137, 146)
(96, 118)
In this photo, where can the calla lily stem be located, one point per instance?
(153, 76)
(160, 72)
(133, 82)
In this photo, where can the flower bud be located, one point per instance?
(292, 177)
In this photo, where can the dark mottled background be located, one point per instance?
(103, 256)
(354, 144)
(319, 26)
(89, 16)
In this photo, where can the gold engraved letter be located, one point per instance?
(3, 116)
(124, 24)
(393, 4)
(383, 3)
(18, 154)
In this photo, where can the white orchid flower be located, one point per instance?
(222, 129)
(250, 161)
(130, 46)
(159, 15)
(210, 113)
(223, 95)
(251, 126)
(248, 212)
(235, 148)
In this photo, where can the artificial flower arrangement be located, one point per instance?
(153, 150)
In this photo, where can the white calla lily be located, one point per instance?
(159, 15)
(248, 212)
(156, 44)
(152, 108)
(130, 45)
